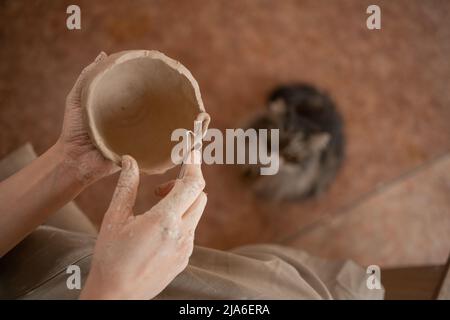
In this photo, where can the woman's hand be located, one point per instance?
(79, 152)
(31, 195)
(136, 257)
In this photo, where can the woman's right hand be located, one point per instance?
(136, 257)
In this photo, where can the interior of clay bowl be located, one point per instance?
(136, 105)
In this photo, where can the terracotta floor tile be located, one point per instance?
(404, 223)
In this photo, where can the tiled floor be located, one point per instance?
(405, 222)
(391, 85)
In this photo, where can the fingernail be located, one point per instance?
(126, 163)
(159, 190)
(163, 185)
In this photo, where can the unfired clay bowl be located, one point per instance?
(133, 101)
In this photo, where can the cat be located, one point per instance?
(311, 145)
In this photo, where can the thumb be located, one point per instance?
(121, 206)
(75, 93)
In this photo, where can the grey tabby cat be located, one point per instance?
(311, 145)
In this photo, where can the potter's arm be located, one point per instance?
(31, 195)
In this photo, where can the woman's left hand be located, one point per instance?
(78, 149)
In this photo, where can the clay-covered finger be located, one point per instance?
(192, 216)
(124, 197)
(184, 192)
(76, 89)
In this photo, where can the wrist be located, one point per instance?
(71, 164)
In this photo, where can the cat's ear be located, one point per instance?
(277, 106)
(319, 141)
